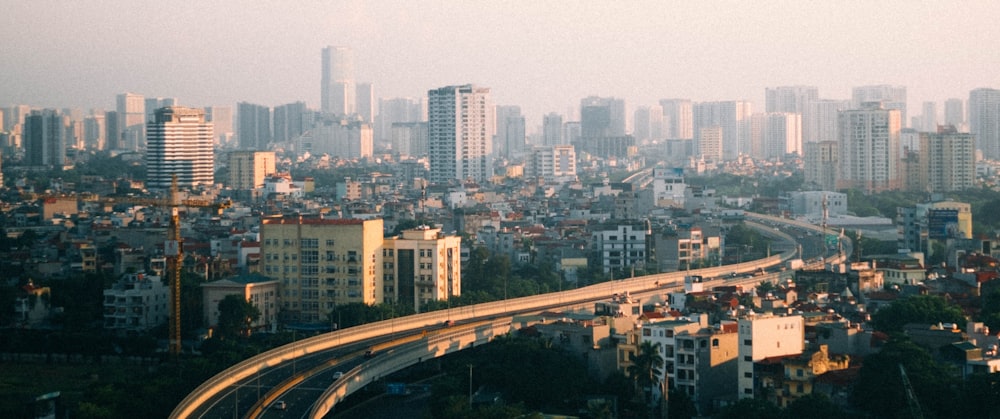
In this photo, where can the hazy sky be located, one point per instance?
(542, 55)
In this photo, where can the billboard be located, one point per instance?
(942, 223)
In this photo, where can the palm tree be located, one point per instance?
(646, 367)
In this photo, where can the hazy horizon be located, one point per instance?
(543, 56)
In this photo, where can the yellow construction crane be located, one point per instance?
(173, 248)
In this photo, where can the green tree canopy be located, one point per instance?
(235, 316)
(930, 309)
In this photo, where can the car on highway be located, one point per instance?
(369, 353)
(280, 405)
(338, 375)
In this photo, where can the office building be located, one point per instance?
(421, 265)
(789, 99)
(45, 138)
(131, 109)
(409, 138)
(869, 149)
(180, 144)
(923, 225)
(891, 97)
(248, 169)
(552, 129)
(984, 121)
(678, 119)
(322, 264)
(602, 117)
(460, 129)
(254, 126)
(337, 87)
(112, 134)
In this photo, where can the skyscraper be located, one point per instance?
(460, 129)
(221, 118)
(131, 110)
(949, 160)
(929, 117)
(734, 119)
(288, 121)
(602, 117)
(869, 149)
(775, 134)
(510, 135)
(254, 130)
(337, 81)
(984, 121)
(154, 103)
(247, 169)
(45, 138)
(391, 111)
(821, 162)
(180, 143)
(365, 102)
(678, 122)
(648, 123)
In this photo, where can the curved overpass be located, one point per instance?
(195, 404)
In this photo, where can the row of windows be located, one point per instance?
(304, 243)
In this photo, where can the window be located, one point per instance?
(748, 374)
(748, 342)
(748, 358)
(715, 343)
(329, 242)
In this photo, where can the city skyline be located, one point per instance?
(541, 57)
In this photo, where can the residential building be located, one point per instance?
(678, 119)
(131, 113)
(45, 138)
(664, 334)
(552, 163)
(819, 121)
(891, 97)
(93, 132)
(254, 126)
(869, 149)
(710, 140)
(818, 205)
(681, 248)
(460, 131)
(394, 110)
(928, 119)
(421, 265)
(668, 188)
(339, 138)
(954, 113)
(137, 302)
(800, 373)
(705, 364)
(620, 246)
(409, 138)
(946, 161)
(260, 291)
(764, 336)
(322, 264)
(221, 118)
(337, 89)
(365, 102)
(552, 130)
(984, 121)
(789, 99)
(647, 123)
(821, 162)
(290, 121)
(180, 144)
(602, 117)
(922, 225)
(248, 169)
(775, 135)
(733, 117)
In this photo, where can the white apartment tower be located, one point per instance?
(552, 128)
(792, 99)
(869, 149)
(984, 121)
(247, 169)
(131, 134)
(678, 122)
(337, 90)
(180, 143)
(891, 97)
(553, 163)
(459, 133)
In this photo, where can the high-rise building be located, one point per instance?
(365, 102)
(775, 134)
(648, 123)
(93, 131)
(322, 264)
(602, 117)
(131, 110)
(678, 119)
(459, 133)
(409, 138)
(247, 169)
(180, 143)
(337, 88)
(14, 116)
(869, 149)
(112, 133)
(391, 111)
(509, 140)
(45, 138)
(984, 121)
(929, 117)
(339, 138)
(710, 143)
(424, 265)
(151, 104)
(949, 159)
(734, 119)
(821, 165)
(790, 99)
(221, 118)
(891, 97)
(765, 336)
(552, 129)
(254, 130)
(288, 121)
(819, 122)
(954, 112)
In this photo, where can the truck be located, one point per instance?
(793, 264)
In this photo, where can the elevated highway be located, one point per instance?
(312, 364)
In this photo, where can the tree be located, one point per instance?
(235, 316)
(646, 367)
(917, 309)
(750, 408)
(680, 405)
(813, 405)
(879, 388)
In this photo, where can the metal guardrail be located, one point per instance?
(250, 366)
